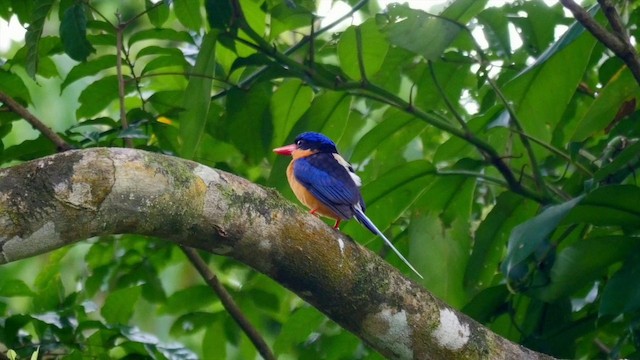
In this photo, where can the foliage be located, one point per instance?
(506, 172)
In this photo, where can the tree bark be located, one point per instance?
(55, 201)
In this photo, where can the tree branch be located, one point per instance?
(227, 301)
(618, 42)
(35, 122)
(57, 200)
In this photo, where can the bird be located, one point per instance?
(326, 183)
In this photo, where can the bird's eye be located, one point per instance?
(299, 142)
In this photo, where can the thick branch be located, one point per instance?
(55, 201)
(617, 42)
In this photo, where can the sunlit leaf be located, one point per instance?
(88, 68)
(119, 304)
(188, 13)
(419, 32)
(157, 13)
(197, 97)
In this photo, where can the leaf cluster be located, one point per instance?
(498, 148)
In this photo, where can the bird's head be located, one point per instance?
(306, 144)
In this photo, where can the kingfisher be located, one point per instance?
(326, 183)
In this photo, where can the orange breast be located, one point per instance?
(306, 197)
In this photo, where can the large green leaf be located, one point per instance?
(528, 236)
(542, 91)
(73, 32)
(419, 32)
(88, 68)
(389, 195)
(248, 122)
(288, 104)
(583, 262)
(119, 305)
(188, 13)
(609, 205)
(396, 120)
(34, 33)
(622, 293)
(99, 94)
(491, 239)
(621, 88)
(12, 84)
(160, 34)
(298, 328)
(365, 44)
(197, 97)
(157, 13)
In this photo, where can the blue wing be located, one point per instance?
(329, 182)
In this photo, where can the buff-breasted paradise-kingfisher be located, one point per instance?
(326, 183)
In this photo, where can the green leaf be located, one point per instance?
(119, 305)
(15, 287)
(487, 304)
(495, 27)
(29, 150)
(159, 50)
(12, 84)
(188, 13)
(99, 94)
(561, 68)
(197, 97)
(218, 13)
(462, 11)
(158, 13)
(396, 120)
(191, 299)
(419, 32)
(622, 293)
(73, 33)
(288, 104)
(168, 61)
(191, 323)
(34, 33)
(621, 88)
(609, 205)
(491, 238)
(363, 43)
(297, 329)
(584, 262)
(213, 344)
(88, 68)
(389, 195)
(160, 34)
(249, 120)
(528, 236)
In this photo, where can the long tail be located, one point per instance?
(364, 220)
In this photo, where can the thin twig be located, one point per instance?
(444, 96)
(123, 111)
(228, 303)
(35, 122)
(537, 174)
